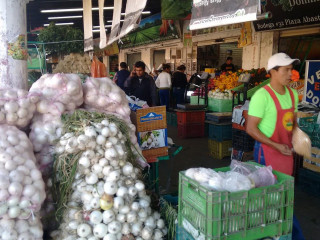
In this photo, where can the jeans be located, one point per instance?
(179, 95)
(164, 95)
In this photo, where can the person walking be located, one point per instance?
(141, 85)
(272, 118)
(163, 82)
(179, 83)
(121, 76)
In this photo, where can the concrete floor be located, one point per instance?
(195, 154)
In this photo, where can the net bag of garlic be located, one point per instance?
(102, 94)
(98, 187)
(21, 186)
(16, 107)
(58, 93)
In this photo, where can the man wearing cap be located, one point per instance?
(272, 117)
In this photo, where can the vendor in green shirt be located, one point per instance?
(272, 117)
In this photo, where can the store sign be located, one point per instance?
(211, 13)
(287, 14)
(151, 29)
(312, 82)
(151, 117)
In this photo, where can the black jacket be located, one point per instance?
(144, 90)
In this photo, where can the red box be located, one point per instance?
(187, 117)
(191, 130)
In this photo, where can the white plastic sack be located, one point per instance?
(21, 229)
(58, 93)
(104, 95)
(21, 185)
(45, 129)
(16, 107)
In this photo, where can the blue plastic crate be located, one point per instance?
(220, 132)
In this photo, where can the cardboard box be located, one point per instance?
(148, 119)
(153, 139)
(313, 163)
(151, 155)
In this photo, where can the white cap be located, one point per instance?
(281, 59)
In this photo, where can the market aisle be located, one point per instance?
(195, 154)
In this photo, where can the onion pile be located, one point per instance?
(102, 94)
(16, 108)
(107, 199)
(22, 190)
(58, 93)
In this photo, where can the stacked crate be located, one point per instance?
(219, 134)
(152, 120)
(242, 143)
(309, 175)
(190, 123)
(258, 213)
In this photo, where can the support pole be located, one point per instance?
(13, 47)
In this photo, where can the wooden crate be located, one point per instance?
(147, 119)
(313, 163)
(151, 155)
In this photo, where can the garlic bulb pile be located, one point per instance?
(58, 93)
(16, 108)
(108, 201)
(217, 94)
(21, 184)
(21, 229)
(45, 129)
(104, 95)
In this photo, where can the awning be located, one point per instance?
(212, 13)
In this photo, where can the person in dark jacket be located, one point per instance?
(228, 66)
(141, 85)
(179, 83)
(122, 75)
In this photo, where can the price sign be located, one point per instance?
(312, 82)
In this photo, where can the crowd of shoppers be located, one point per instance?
(167, 86)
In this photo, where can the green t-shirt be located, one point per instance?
(262, 106)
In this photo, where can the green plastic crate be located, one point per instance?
(172, 119)
(219, 105)
(251, 91)
(194, 100)
(246, 215)
(309, 126)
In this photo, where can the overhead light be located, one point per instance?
(110, 21)
(144, 13)
(104, 26)
(72, 10)
(59, 24)
(64, 17)
(98, 30)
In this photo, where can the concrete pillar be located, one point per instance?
(264, 45)
(13, 72)
(146, 57)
